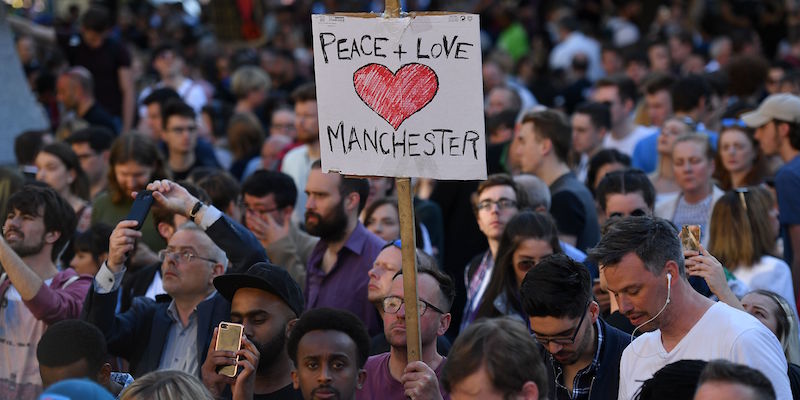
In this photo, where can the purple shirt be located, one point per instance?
(381, 384)
(345, 286)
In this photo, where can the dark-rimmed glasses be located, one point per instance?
(562, 341)
(391, 305)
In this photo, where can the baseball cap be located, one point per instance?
(74, 389)
(783, 107)
(267, 277)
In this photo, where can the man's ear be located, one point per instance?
(295, 379)
(218, 269)
(628, 105)
(594, 308)
(52, 237)
(783, 131)
(544, 145)
(444, 324)
(104, 375)
(530, 391)
(290, 326)
(362, 377)
(351, 201)
(165, 230)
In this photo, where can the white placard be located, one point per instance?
(400, 97)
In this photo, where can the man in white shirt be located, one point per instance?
(619, 93)
(643, 263)
(297, 162)
(590, 124)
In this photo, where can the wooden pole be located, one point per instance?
(408, 250)
(392, 9)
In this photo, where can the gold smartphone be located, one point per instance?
(229, 338)
(690, 237)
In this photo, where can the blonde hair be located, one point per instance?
(166, 385)
(787, 326)
(247, 79)
(740, 232)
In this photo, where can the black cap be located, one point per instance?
(267, 277)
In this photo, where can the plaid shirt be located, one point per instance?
(584, 379)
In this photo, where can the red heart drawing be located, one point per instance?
(396, 96)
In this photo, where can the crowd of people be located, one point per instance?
(634, 239)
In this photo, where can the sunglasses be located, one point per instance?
(635, 213)
(732, 122)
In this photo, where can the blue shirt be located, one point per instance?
(787, 186)
(645, 154)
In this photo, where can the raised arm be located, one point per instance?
(239, 244)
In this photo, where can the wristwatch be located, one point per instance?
(197, 206)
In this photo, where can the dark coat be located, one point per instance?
(606, 383)
(139, 334)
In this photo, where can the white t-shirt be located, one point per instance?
(191, 92)
(769, 273)
(722, 333)
(628, 143)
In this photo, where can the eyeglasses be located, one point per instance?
(563, 341)
(180, 129)
(392, 305)
(244, 206)
(635, 213)
(732, 122)
(184, 255)
(741, 191)
(502, 204)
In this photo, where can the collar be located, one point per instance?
(358, 239)
(172, 309)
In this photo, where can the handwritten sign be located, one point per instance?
(400, 97)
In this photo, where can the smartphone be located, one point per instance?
(229, 338)
(141, 206)
(690, 237)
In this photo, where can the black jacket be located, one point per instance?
(139, 334)
(606, 383)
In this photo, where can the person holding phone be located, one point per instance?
(644, 265)
(266, 302)
(134, 161)
(161, 335)
(196, 253)
(693, 165)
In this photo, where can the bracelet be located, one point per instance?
(195, 209)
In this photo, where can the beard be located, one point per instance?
(26, 249)
(332, 228)
(582, 347)
(271, 350)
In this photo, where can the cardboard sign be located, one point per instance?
(400, 97)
